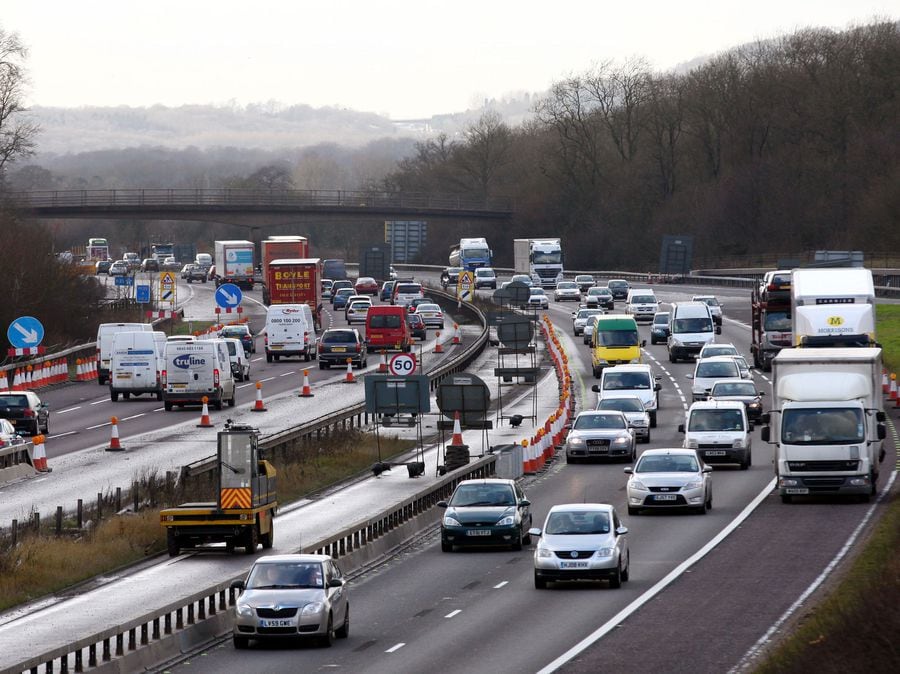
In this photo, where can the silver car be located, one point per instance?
(566, 290)
(633, 409)
(715, 309)
(290, 596)
(538, 298)
(580, 318)
(669, 478)
(581, 541)
(600, 435)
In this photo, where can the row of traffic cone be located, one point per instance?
(31, 377)
(85, 369)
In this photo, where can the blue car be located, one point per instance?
(339, 300)
(386, 289)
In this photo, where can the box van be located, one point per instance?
(719, 431)
(290, 331)
(105, 334)
(197, 369)
(203, 260)
(240, 363)
(405, 292)
(386, 328)
(633, 380)
(136, 364)
(641, 304)
(334, 269)
(614, 342)
(690, 329)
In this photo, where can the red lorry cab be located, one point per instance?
(386, 328)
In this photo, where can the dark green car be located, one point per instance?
(489, 512)
(659, 328)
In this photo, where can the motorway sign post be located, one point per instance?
(402, 364)
(229, 298)
(464, 284)
(124, 280)
(25, 334)
(167, 292)
(142, 293)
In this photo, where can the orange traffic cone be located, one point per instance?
(40, 454)
(306, 392)
(258, 406)
(204, 415)
(4, 383)
(349, 378)
(114, 444)
(438, 348)
(382, 366)
(456, 339)
(457, 438)
(893, 386)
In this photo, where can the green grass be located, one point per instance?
(887, 330)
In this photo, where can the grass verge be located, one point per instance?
(40, 565)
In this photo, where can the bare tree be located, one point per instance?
(485, 153)
(16, 131)
(619, 95)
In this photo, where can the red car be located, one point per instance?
(366, 285)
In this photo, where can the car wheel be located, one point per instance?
(517, 545)
(647, 438)
(167, 406)
(745, 464)
(240, 643)
(615, 581)
(708, 504)
(218, 404)
(114, 396)
(652, 419)
(126, 396)
(446, 547)
(158, 396)
(539, 583)
(343, 631)
(526, 539)
(268, 357)
(634, 511)
(321, 365)
(571, 459)
(277, 357)
(672, 358)
(626, 572)
(327, 639)
(47, 426)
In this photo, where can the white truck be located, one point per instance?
(541, 259)
(234, 263)
(833, 307)
(827, 421)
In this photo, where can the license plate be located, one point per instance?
(796, 490)
(179, 387)
(666, 497)
(598, 450)
(275, 347)
(338, 349)
(573, 565)
(478, 532)
(285, 622)
(127, 375)
(714, 452)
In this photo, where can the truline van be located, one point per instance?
(197, 369)
(136, 364)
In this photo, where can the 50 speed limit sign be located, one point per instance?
(402, 364)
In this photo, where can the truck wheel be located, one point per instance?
(231, 400)
(172, 544)
(114, 395)
(167, 406)
(158, 396)
(126, 395)
(268, 539)
(251, 539)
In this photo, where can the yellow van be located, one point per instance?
(615, 342)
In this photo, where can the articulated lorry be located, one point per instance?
(234, 263)
(470, 254)
(541, 259)
(770, 318)
(833, 307)
(827, 421)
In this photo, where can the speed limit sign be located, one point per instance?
(402, 364)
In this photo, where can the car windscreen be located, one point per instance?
(408, 289)
(643, 299)
(563, 523)
(710, 351)
(818, 426)
(586, 422)
(693, 325)
(778, 321)
(677, 463)
(621, 404)
(734, 389)
(286, 575)
(338, 336)
(717, 370)
(467, 495)
(660, 319)
(13, 401)
(617, 337)
(716, 420)
(617, 381)
(584, 313)
(568, 285)
(384, 321)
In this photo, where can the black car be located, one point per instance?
(659, 328)
(486, 512)
(241, 332)
(193, 272)
(25, 411)
(150, 264)
(619, 288)
(102, 266)
(417, 327)
(336, 345)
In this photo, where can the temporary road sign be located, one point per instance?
(402, 364)
(464, 283)
(228, 296)
(142, 293)
(124, 280)
(25, 332)
(167, 287)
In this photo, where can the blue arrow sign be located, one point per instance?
(142, 293)
(25, 332)
(124, 280)
(228, 296)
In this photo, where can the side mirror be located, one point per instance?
(760, 393)
(442, 504)
(596, 388)
(621, 531)
(681, 428)
(524, 503)
(880, 416)
(765, 418)
(534, 531)
(689, 376)
(628, 470)
(764, 433)
(643, 343)
(335, 582)
(706, 469)
(237, 585)
(718, 329)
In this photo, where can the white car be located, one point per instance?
(743, 366)
(641, 304)
(538, 298)
(719, 431)
(710, 370)
(485, 277)
(581, 541)
(669, 478)
(432, 315)
(717, 349)
(635, 379)
(580, 317)
(633, 409)
(567, 290)
(522, 278)
(600, 435)
(357, 310)
(714, 307)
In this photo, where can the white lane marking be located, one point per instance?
(135, 416)
(71, 409)
(256, 360)
(397, 647)
(268, 379)
(244, 385)
(453, 613)
(285, 374)
(159, 409)
(501, 584)
(90, 428)
(60, 435)
(622, 615)
(100, 401)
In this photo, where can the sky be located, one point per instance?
(398, 58)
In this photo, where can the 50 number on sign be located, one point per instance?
(402, 364)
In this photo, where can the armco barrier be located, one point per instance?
(166, 632)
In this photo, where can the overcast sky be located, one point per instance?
(400, 58)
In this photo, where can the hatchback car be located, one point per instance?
(669, 478)
(714, 307)
(25, 411)
(619, 288)
(581, 541)
(537, 298)
(486, 512)
(580, 317)
(102, 266)
(717, 349)
(659, 327)
(567, 290)
(708, 371)
(739, 389)
(417, 327)
(585, 282)
(522, 278)
(599, 297)
(337, 285)
(485, 277)
(118, 268)
(291, 596)
(241, 332)
(340, 297)
(431, 314)
(386, 289)
(150, 264)
(600, 435)
(336, 345)
(633, 409)
(356, 311)
(413, 305)
(366, 285)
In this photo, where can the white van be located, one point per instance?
(240, 364)
(290, 331)
(641, 303)
(690, 329)
(719, 431)
(204, 260)
(137, 363)
(635, 379)
(105, 334)
(197, 369)
(406, 291)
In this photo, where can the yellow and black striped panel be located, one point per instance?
(235, 498)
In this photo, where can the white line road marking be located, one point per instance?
(623, 615)
(284, 374)
(397, 647)
(453, 613)
(256, 360)
(135, 416)
(159, 409)
(71, 409)
(501, 584)
(100, 401)
(244, 385)
(60, 435)
(90, 428)
(268, 379)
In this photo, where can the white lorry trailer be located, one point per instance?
(234, 263)
(827, 421)
(541, 259)
(833, 307)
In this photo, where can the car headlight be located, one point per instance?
(451, 521)
(507, 521)
(576, 442)
(639, 423)
(604, 552)
(754, 406)
(544, 553)
(312, 608)
(638, 485)
(621, 440)
(675, 341)
(692, 444)
(243, 610)
(738, 444)
(693, 484)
